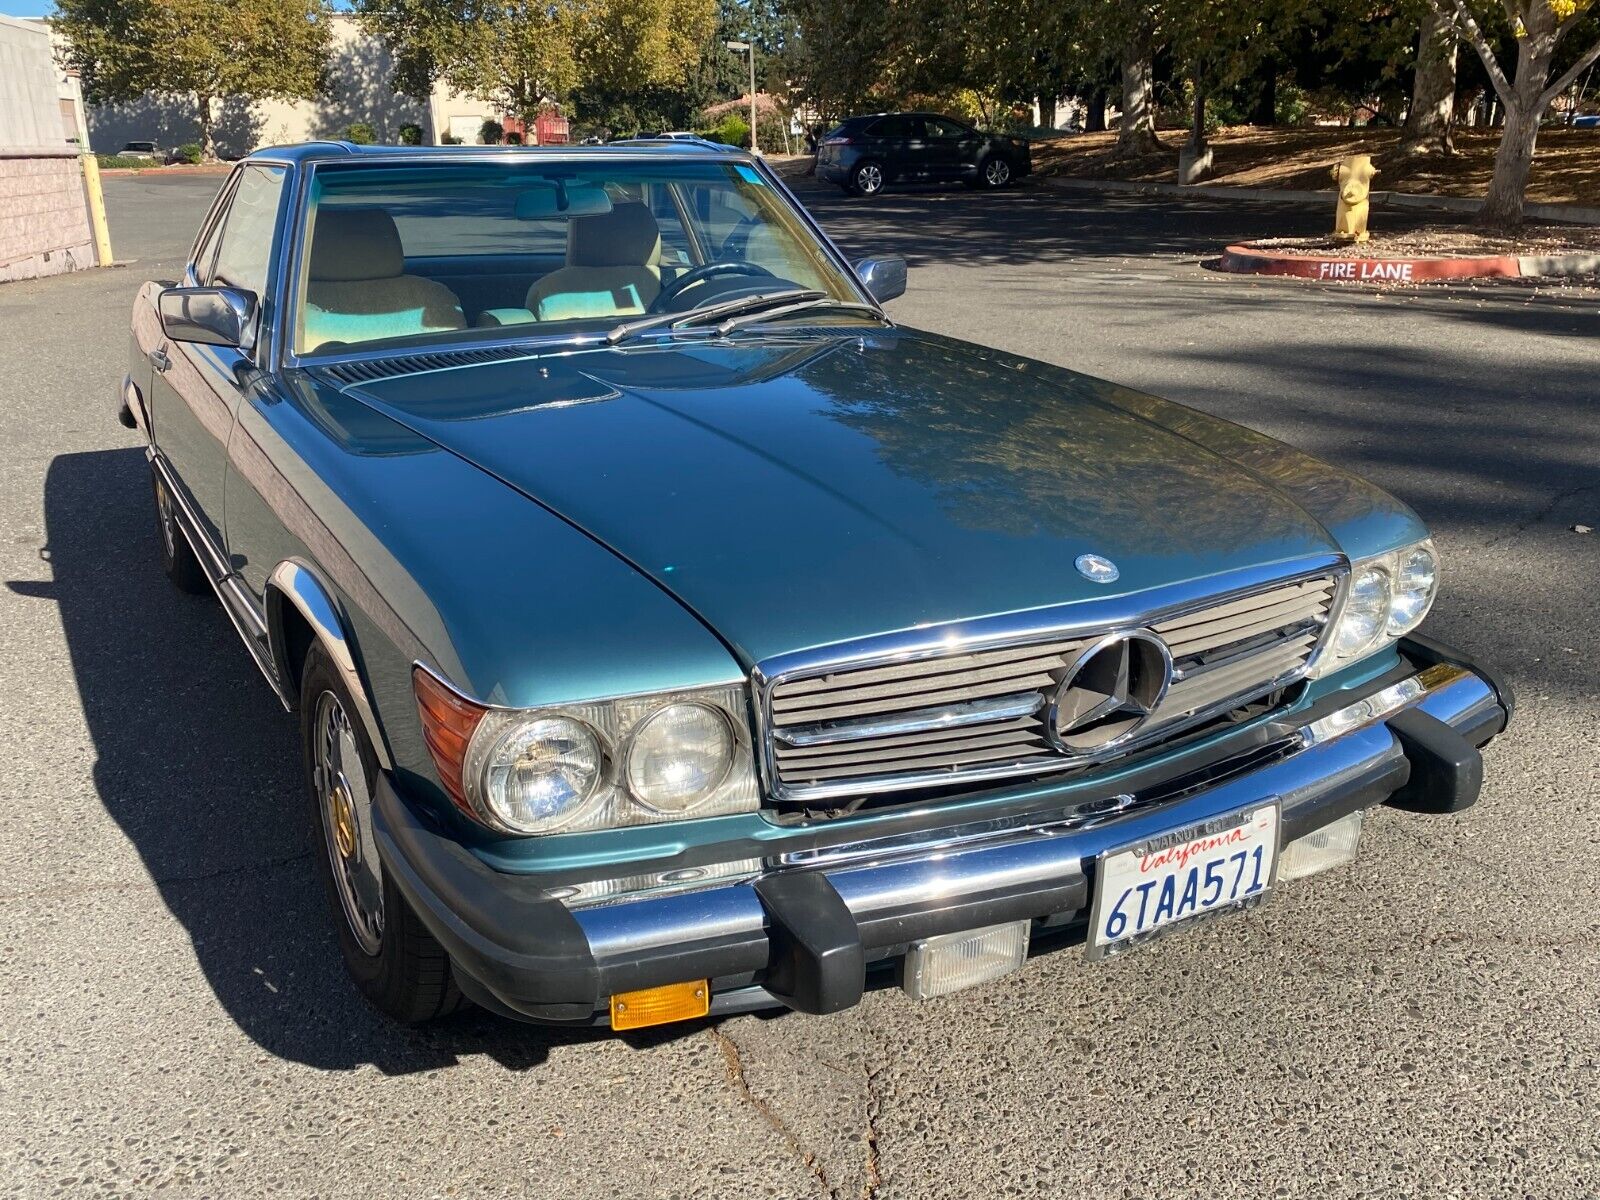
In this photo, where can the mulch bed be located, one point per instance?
(1566, 168)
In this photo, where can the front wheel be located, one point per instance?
(867, 179)
(389, 953)
(995, 172)
(177, 556)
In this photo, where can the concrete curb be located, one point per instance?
(1250, 260)
(1570, 213)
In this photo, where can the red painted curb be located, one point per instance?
(1247, 260)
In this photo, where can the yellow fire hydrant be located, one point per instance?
(1353, 178)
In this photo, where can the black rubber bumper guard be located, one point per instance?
(521, 952)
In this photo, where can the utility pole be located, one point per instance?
(750, 49)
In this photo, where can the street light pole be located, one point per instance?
(750, 49)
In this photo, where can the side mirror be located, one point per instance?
(211, 316)
(885, 277)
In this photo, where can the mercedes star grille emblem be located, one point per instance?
(1110, 692)
(1096, 568)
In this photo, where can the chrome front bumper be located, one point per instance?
(803, 933)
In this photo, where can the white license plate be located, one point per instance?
(1221, 865)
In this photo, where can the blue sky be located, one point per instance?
(26, 8)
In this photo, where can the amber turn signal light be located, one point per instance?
(447, 724)
(661, 1005)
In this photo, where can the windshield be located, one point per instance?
(417, 253)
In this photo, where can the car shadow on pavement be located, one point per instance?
(198, 765)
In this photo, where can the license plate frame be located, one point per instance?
(1256, 818)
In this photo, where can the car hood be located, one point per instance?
(809, 490)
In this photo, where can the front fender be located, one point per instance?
(296, 586)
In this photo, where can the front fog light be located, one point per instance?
(680, 755)
(1322, 849)
(940, 965)
(534, 776)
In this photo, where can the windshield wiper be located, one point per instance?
(827, 303)
(695, 316)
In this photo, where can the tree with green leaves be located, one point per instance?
(520, 54)
(208, 50)
(1541, 29)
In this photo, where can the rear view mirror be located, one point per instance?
(558, 199)
(885, 277)
(211, 316)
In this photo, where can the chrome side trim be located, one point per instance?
(236, 599)
(887, 874)
(921, 720)
(1130, 611)
(296, 584)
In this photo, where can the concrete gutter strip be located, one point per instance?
(1570, 213)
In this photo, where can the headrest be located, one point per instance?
(355, 243)
(627, 236)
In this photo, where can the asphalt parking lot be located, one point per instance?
(1424, 1022)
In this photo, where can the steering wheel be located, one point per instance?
(699, 275)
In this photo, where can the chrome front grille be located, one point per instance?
(974, 712)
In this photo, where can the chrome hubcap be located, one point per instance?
(169, 532)
(345, 800)
(997, 173)
(870, 179)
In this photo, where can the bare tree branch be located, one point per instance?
(1586, 61)
(1468, 25)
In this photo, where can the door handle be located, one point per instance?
(159, 360)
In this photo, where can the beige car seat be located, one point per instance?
(357, 289)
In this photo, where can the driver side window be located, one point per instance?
(245, 250)
(944, 129)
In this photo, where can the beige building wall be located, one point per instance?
(359, 71)
(44, 218)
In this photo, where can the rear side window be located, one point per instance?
(247, 228)
(897, 126)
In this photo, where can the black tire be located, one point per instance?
(177, 556)
(867, 178)
(995, 172)
(405, 974)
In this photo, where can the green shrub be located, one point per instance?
(360, 133)
(189, 153)
(491, 132)
(411, 135)
(733, 130)
(513, 139)
(117, 162)
(450, 139)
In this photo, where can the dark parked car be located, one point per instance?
(673, 633)
(865, 153)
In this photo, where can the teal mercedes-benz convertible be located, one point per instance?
(671, 632)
